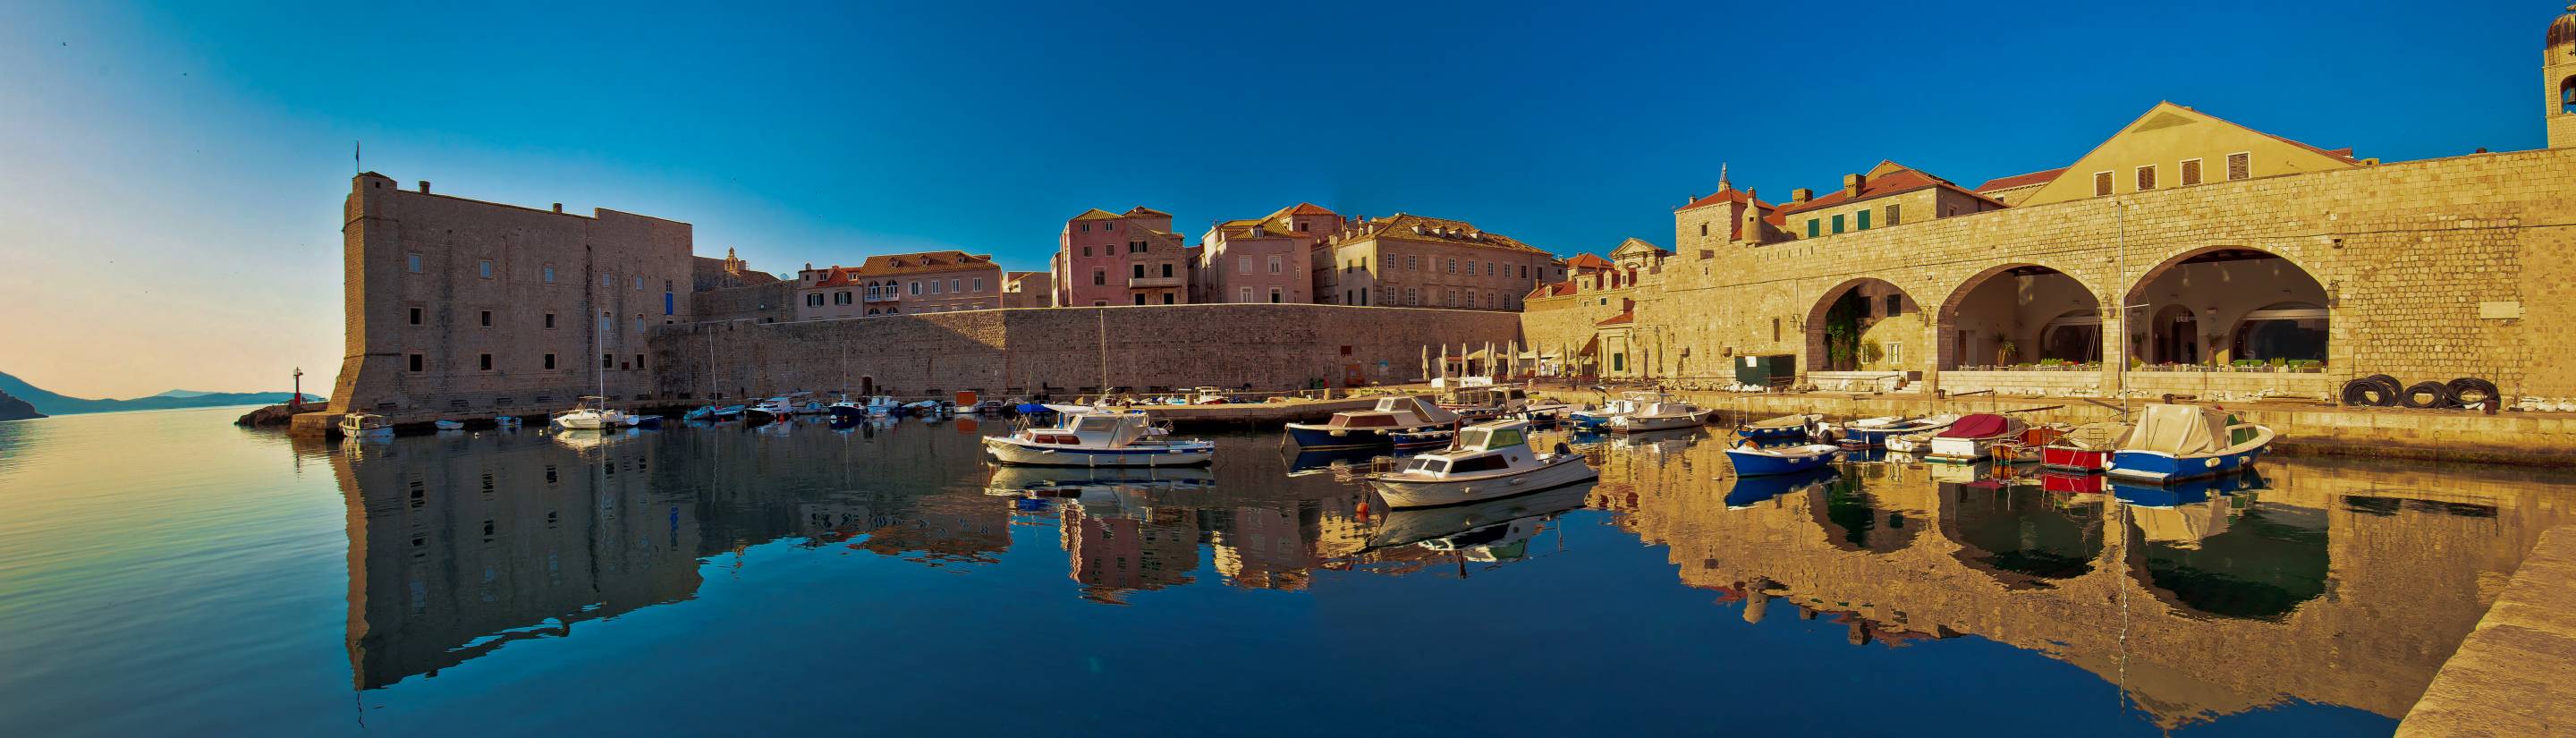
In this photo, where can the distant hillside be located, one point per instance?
(49, 403)
(12, 408)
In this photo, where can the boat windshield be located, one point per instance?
(1096, 424)
(1424, 464)
(1365, 421)
(1505, 437)
(1472, 438)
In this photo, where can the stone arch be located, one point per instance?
(2005, 303)
(1870, 298)
(2223, 287)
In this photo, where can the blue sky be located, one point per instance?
(171, 176)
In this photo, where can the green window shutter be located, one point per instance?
(1838, 224)
(1811, 228)
(1864, 220)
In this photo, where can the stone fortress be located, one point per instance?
(2185, 254)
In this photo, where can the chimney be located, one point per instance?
(558, 207)
(424, 187)
(1801, 194)
(1852, 183)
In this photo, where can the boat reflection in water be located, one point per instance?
(2302, 592)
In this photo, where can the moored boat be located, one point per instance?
(770, 410)
(1973, 438)
(2085, 449)
(1098, 439)
(1875, 432)
(700, 413)
(1752, 490)
(2178, 442)
(363, 425)
(1664, 413)
(1371, 428)
(1754, 460)
(1783, 428)
(1488, 461)
(589, 414)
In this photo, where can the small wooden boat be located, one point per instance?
(700, 413)
(2086, 448)
(362, 425)
(1372, 428)
(1489, 461)
(1098, 439)
(2178, 442)
(1783, 428)
(1754, 460)
(1663, 414)
(1973, 438)
(1875, 432)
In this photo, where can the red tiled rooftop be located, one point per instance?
(2021, 180)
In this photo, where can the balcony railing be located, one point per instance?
(887, 297)
(1154, 281)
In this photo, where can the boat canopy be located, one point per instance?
(2179, 430)
(1980, 425)
(1496, 435)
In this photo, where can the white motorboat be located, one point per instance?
(1663, 414)
(1098, 439)
(882, 406)
(1488, 461)
(589, 414)
(362, 425)
(1973, 438)
(771, 410)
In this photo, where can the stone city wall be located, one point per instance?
(1066, 350)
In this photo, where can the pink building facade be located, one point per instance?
(1265, 259)
(1131, 258)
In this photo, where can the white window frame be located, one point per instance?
(1276, 263)
(1243, 265)
(2106, 176)
(1278, 295)
(2183, 166)
(2231, 170)
(1243, 294)
(2139, 175)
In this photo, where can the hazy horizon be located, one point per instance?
(175, 174)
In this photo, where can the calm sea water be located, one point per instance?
(169, 573)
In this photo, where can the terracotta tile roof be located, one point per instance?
(1440, 230)
(878, 267)
(1097, 214)
(1725, 193)
(1895, 179)
(1586, 260)
(1142, 210)
(2021, 180)
(1308, 208)
(1553, 289)
(1620, 319)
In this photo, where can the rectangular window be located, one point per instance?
(1274, 266)
(550, 320)
(412, 263)
(1895, 305)
(1167, 269)
(916, 288)
(1524, 271)
(1895, 354)
(415, 362)
(2190, 172)
(952, 284)
(1167, 298)
(1453, 266)
(1086, 252)
(1243, 294)
(1815, 228)
(1140, 298)
(483, 268)
(1861, 220)
(1838, 224)
(607, 361)
(1775, 329)
(2240, 165)
(1410, 264)
(639, 283)
(1891, 214)
(1449, 298)
(550, 362)
(1243, 265)
(487, 318)
(486, 362)
(979, 284)
(639, 361)
(550, 274)
(1275, 294)
(814, 300)
(607, 280)
(415, 316)
(1138, 271)
(1099, 276)
(2146, 178)
(2101, 184)
(1412, 297)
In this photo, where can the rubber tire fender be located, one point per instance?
(2440, 395)
(2464, 388)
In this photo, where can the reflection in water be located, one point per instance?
(2023, 529)
(461, 547)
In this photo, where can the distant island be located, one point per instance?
(20, 400)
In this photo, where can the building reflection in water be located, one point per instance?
(2311, 582)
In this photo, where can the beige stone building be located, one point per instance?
(896, 284)
(459, 307)
(1028, 290)
(2184, 254)
(1407, 260)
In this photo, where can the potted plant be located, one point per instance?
(2003, 350)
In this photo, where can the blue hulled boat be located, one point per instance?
(2173, 443)
(1753, 460)
(1783, 428)
(1749, 491)
(1372, 428)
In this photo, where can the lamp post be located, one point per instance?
(296, 401)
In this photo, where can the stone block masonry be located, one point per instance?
(1066, 350)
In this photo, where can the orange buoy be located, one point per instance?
(1364, 510)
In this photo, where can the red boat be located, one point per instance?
(2071, 483)
(2085, 449)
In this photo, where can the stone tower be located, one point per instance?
(2558, 79)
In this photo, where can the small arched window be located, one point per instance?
(2567, 95)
